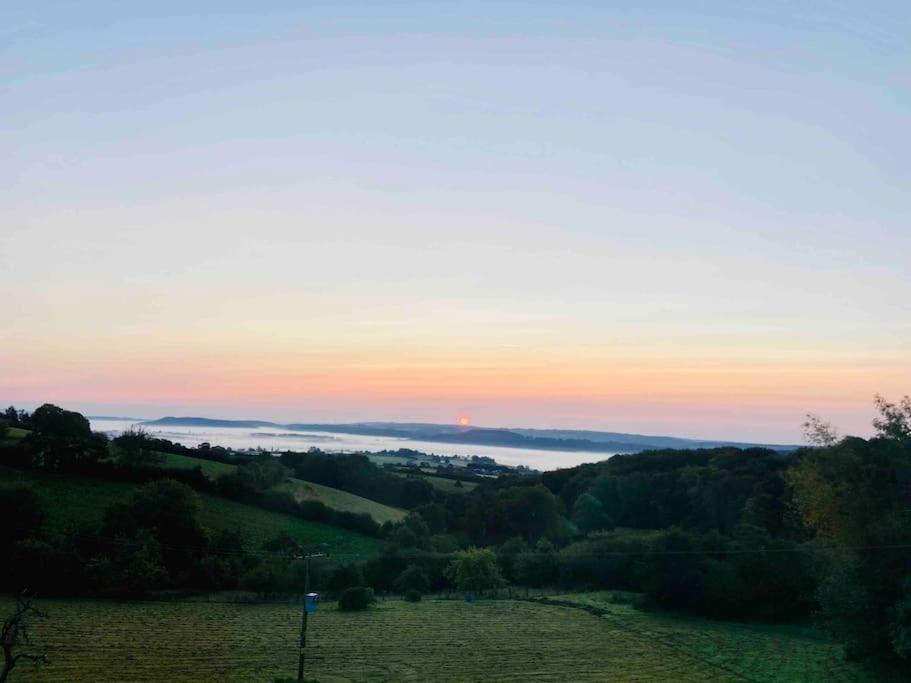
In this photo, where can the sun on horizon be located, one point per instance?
(464, 421)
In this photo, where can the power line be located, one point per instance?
(407, 554)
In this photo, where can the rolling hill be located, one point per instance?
(81, 500)
(301, 490)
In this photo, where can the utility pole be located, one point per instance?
(303, 641)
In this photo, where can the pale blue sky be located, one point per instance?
(363, 191)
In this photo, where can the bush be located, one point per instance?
(357, 598)
(413, 596)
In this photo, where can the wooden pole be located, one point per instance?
(303, 639)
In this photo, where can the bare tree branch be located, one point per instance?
(15, 636)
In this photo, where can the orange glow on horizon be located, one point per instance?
(464, 421)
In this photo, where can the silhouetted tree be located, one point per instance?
(15, 638)
(170, 511)
(894, 421)
(63, 439)
(135, 448)
(854, 497)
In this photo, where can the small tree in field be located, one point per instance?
(475, 570)
(15, 638)
(134, 449)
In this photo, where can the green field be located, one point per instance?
(302, 490)
(435, 640)
(78, 500)
(747, 651)
(341, 500)
(257, 526)
(449, 485)
(389, 459)
(16, 432)
(211, 468)
(441, 483)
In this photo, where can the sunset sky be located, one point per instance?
(691, 219)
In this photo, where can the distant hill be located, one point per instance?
(542, 439)
(208, 422)
(645, 441)
(514, 439)
(114, 418)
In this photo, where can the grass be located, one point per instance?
(746, 651)
(257, 526)
(434, 640)
(449, 485)
(423, 460)
(211, 468)
(81, 500)
(441, 483)
(16, 432)
(389, 459)
(302, 490)
(341, 500)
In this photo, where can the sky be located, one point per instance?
(657, 217)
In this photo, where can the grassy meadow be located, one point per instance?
(438, 640)
(449, 485)
(211, 468)
(16, 433)
(341, 500)
(302, 490)
(79, 500)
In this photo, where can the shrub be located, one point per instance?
(357, 598)
(413, 596)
